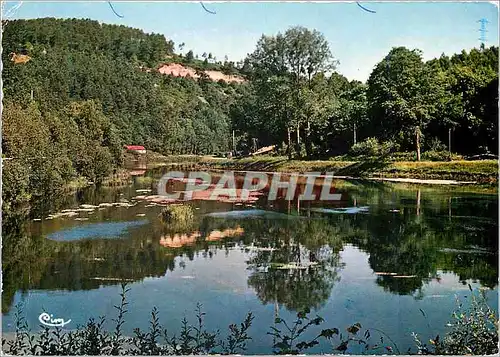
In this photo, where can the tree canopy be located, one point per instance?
(85, 89)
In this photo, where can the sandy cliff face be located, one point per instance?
(178, 70)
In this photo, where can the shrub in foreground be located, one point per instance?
(93, 339)
(474, 331)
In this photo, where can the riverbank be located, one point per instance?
(479, 173)
(483, 172)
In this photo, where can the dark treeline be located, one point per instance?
(167, 114)
(76, 91)
(296, 98)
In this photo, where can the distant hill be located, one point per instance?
(89, 36)
(76, 91)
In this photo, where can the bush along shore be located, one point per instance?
(473, 331)
(479, 171)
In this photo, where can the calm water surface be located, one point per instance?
(389, 257)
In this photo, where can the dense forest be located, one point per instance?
(83, 93)
(297, 98)
(76, 91)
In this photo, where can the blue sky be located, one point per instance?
(358, 39)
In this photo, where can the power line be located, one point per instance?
(113, 9)
(364, 8)
(207, 10)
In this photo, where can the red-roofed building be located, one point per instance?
(136, 149)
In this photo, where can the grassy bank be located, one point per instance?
(78, 183)
(481, 171)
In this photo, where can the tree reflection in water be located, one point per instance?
(314, 248)
(458, 235)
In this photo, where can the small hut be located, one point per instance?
(136, 149)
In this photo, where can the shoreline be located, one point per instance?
(424, 181)
(476, 173)
(481, 173)
(353, 178)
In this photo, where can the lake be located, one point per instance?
(391, 257)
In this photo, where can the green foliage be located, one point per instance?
(283, 68)
(90, 88)
(405, 100)
(372, 148)
(86, 92)
(436, 145)
(34, 37)
(369, 147)
(177, 213)
(356, 342)
(117, 339)
(291, 88)
(431, 155)
(178, 218)
(15, 188)
(437, 156)
(402, 92)
(46, 150)
(193, 339)
(286, 342)
(189, 56)
(474, 331)
(236, 340)
(164, 113)
(93, 339)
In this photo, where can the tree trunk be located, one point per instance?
(308, 139)
(449, 140)
(354, 132)
(234, 143)
(297, 144)
(289, 143)
(417, 138)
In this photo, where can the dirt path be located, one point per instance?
(423, 181)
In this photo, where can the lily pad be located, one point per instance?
(346, 210)
(95, 231)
